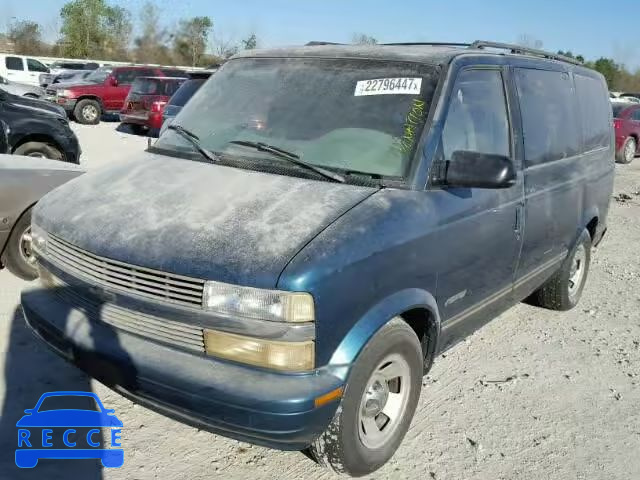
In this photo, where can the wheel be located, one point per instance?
(39, 149)
(563, 290)
(18, 256)
(628, 151)
(87, 112)
(379, 401)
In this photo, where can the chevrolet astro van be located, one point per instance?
(316, 225)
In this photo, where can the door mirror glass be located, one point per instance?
(479, 170)
(4, 137)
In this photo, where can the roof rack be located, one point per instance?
(518, 49)
(430, 44)
(315, 43)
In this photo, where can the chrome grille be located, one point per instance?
(178, 334)
(122, 277)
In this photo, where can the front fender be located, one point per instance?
(365, 328)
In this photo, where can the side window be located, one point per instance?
(125, 77)
(595, 112)
(477, 118)
(548, 111)
(14, 63)
(143, 73)
(636, 114)
(35, 66)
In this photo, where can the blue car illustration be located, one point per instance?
(31, 448)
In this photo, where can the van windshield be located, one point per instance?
(358, 115)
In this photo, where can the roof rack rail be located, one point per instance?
(316, 43)
(518, 49)
(430, 44)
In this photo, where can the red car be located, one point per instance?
(102, 92)
(145, 103)
(626, 121)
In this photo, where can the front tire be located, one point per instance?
(628, 151)
(563, 291)
(87, 112)
(39, 149)
(379, 401)
(18, 255)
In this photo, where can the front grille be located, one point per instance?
(51, 92)
(177, 334)
(122, 277)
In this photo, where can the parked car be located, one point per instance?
(71, 77)
(38, 129)
(317, 226)
(183, 95)
(102, 92)
(146, 102)
(626, 122)
(23, 181)
(22, 69)
(21, 89)
(65, 67)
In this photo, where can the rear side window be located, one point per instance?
(595, 112)
(186, 91)
(14, 63)
(636, 115)
(154, 86)
(549, 112)
(618, 109)
(477, 117)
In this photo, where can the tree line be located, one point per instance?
(98, 30)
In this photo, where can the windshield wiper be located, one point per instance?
(194, 140)
(291, 157)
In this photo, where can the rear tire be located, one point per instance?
(87, 112)
(379, 401)
(16, 256)
(563, 291)
(628, 151)
(39, 149)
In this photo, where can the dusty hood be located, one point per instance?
(195, 219)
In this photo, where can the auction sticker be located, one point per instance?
(388, 86)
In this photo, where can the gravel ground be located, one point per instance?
(534, 394)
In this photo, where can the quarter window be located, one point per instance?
(636, 115)
(14, 63)
(477, 118)
(548, 111)
(595, 112)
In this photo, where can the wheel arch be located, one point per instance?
(91, 97)
(3, 246)
(415, 306)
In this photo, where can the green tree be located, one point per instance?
(250, 43)
(27, 38)
(609, 68)
(93, 28)
(363, 39)
(191, 38)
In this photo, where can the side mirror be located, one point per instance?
(113, 81)
(479, 170)
(4, 137)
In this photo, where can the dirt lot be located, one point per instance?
(534, 395)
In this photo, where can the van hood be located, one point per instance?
(195, 219)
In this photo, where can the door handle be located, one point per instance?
(517, 228)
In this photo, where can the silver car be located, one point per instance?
(21, 89)
(23, 181)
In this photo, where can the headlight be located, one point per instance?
(63, 93)
(39, 239)
(284, 356)
(273, 305)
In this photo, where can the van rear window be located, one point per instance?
(595, 112)
(548, 115)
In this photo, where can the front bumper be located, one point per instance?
(69, 104)
(248, 404)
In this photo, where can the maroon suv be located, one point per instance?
(626, 121)
(102, 92)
